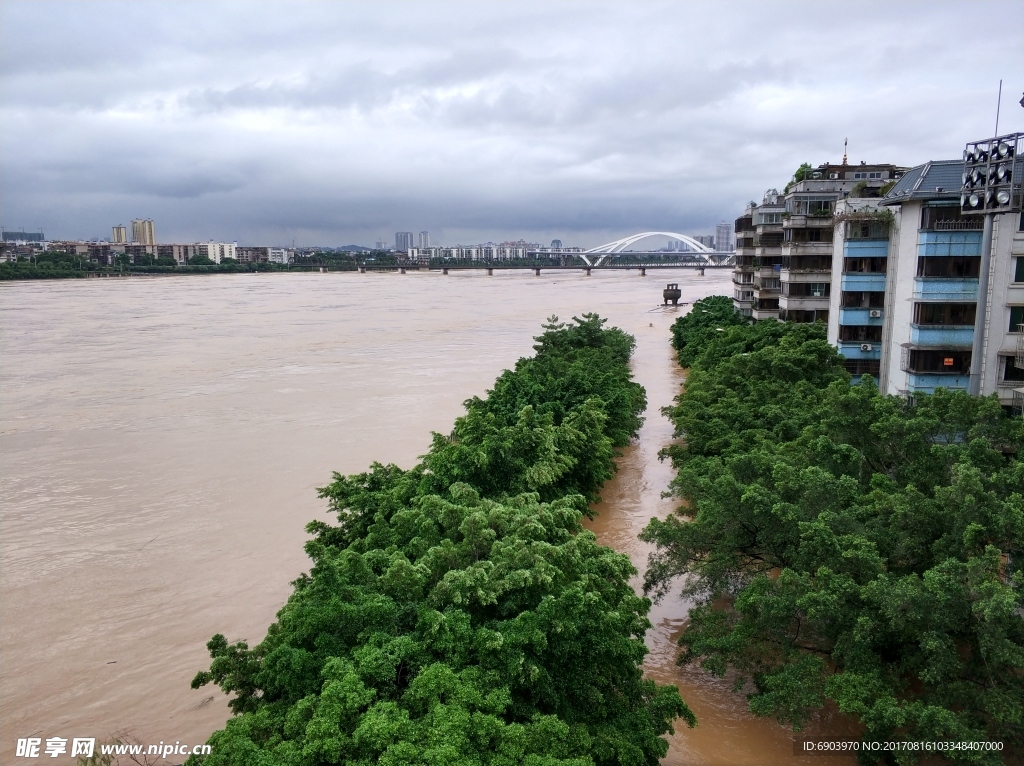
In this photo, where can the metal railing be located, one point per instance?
(1018, 360)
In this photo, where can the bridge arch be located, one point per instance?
(602, 252)
(621, 244)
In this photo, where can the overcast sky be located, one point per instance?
(332, 123)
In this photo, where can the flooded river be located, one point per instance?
(160, 444)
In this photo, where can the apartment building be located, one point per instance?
(784, 246)
(808, 233)
(856, 311)
(931, 303)
(217, 251)
(756, 275)
(265, 255)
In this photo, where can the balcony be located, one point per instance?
(856, 349)
(864, 283)
(1019, 356)
(807, 248)
(936, 289)
(794, 275)
(797, 221)
(927, 382)
(866, 248)
(804, 302)
(948, 243)
(862, 316)
(947, 336)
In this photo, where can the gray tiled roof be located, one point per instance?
(923, 182)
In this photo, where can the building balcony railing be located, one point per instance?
(807, 248)
(862, 316)
(963, 224)
(803, 302)
(951, 336)
(927, 382)
(937, 289)
(869, 283)
(821, 274)
(763, 313)
(799, 221)
(1018, 358)
(860, 349)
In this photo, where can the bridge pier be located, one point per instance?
(362, 269)
(536, 272)
(490, 272)
(702, 271)
(444, 271)
(401, 271)
(587, 270)
(643, 271)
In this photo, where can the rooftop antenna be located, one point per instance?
(845, 141)
(999, 102)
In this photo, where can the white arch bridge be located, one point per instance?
(695, 254)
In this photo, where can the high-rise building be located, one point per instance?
(143, 232)
(933, 305)
(403, 241)
(556, 244)
(424, 240)
(723, 238)
(120, 234)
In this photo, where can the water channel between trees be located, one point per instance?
(161, 440)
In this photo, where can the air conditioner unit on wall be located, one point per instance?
(875, 313)
(865, 347)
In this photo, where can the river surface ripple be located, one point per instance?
(160, 444)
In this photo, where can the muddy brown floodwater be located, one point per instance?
(160, 444)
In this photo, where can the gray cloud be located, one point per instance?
(342, 122)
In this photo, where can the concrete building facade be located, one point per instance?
(932, 291)
(143, 231)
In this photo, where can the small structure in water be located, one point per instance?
(672, 293)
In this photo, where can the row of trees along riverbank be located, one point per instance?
(458, 613)
(59, 265)
(845, 547)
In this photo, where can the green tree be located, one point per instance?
(458, 613)
(843, 545)
(200, 260)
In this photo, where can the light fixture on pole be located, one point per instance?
(991, 185)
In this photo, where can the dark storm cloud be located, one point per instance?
(342, 122)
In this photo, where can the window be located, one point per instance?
(807, 289)
(949, 266)
(952, 361)
(1011, 371)
(860, 333)
(867, 230)
(862, 300)
(865, 265)
(862, 367)
(948, 218)
(769, 218)
(1016, 318)
(1018, 269)
(961, 314)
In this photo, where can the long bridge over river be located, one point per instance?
(612, 255)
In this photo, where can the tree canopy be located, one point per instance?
(847, 546)
(459, 613)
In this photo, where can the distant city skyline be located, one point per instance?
(320, 123)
